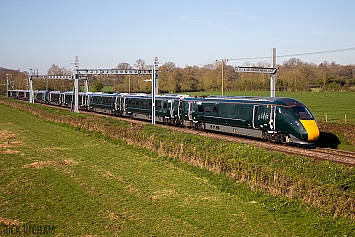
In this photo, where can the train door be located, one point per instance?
(179, 110)
(116, 103)
(123, 104)
(255, 119)
(189, 110)
(273, 118)
(260, 117)
(171, 108)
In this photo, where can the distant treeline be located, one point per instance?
(292, 75)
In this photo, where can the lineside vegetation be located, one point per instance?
(321, 184)
(82, 179)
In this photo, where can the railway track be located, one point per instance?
(339, 156)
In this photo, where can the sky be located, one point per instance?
(40, 33)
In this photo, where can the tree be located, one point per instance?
(292, 63)
(97, 86)
(55, 70)
(124, 66)
(140, 64)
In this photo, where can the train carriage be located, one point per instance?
(68, 99)
(24, 95)
(13, 94)
(166, 108)
(274, 119)
(55, 97)
(295, 119)
(137, 106)
(41, 96)
(104, 103)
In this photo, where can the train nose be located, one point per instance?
(312, 129)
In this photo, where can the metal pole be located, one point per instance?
(156, 75)
(7, 85)
(76, 85)
(76, 63)
(273, 76)
(76, 92)
(31, 88)
(153, 92)
(86, 85)
(153, 97)
(223, 60)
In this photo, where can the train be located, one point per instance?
(281, 120)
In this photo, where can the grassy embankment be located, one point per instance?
(86, 179)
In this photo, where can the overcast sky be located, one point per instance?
(39, 33)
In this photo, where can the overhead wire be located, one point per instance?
(298, 54)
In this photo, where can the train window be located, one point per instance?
(200, 108)
(302, 112)
(141, 104)
(208, 109)
(215, 110)
(150, 104)
(146, 104)
(159, 104)
(165, 105)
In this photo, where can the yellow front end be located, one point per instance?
(312, 129)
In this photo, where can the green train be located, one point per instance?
(283, 120)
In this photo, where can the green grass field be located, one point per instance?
(84, 184)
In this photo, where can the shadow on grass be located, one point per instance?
(327, 139)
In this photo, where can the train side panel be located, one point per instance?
(104, 103)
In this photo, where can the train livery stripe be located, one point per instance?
(311, 128)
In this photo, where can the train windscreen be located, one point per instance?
(302, 112)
